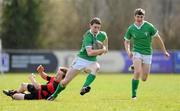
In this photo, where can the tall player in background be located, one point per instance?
(86, 59)
(141, 33)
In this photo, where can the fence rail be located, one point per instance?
(114, 61)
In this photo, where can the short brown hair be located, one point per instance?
(95, 20)
(139, 11)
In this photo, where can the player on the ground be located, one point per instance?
(36, 90)
(86, 58)
(141, 33)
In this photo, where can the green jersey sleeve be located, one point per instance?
(103, 36)
(127, 34)
(153, 31)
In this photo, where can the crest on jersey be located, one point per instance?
(146, 33)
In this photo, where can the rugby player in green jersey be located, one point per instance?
(141, 33)
(86, 58)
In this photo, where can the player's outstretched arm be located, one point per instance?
(40, 70)
(33, 81)
(161, 44)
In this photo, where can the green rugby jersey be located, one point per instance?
(142, 37)
(88, 40)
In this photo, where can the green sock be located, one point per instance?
(58, 90)
(134, 87)
(90, 78)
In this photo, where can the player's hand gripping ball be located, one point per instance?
(98, 45)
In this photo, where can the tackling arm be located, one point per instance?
(40, 70)
(33, 81)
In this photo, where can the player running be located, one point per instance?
(141, 33)
(86, 59)
(37, 91)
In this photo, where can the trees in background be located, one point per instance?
(61, 28)
(20, 25)
(65, 21)
(67, 26)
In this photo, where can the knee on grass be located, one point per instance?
(18, 96)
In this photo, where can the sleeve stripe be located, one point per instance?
(126, 39)
(99, 41)
(155, 34)
(88, 46)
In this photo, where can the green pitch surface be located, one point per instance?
(110, 92)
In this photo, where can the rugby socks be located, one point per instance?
(58, 90)
(135, 84)
(90, 78)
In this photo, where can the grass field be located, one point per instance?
(110, 92)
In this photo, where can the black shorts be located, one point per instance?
(33, 93)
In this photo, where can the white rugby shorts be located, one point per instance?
(146, 59)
